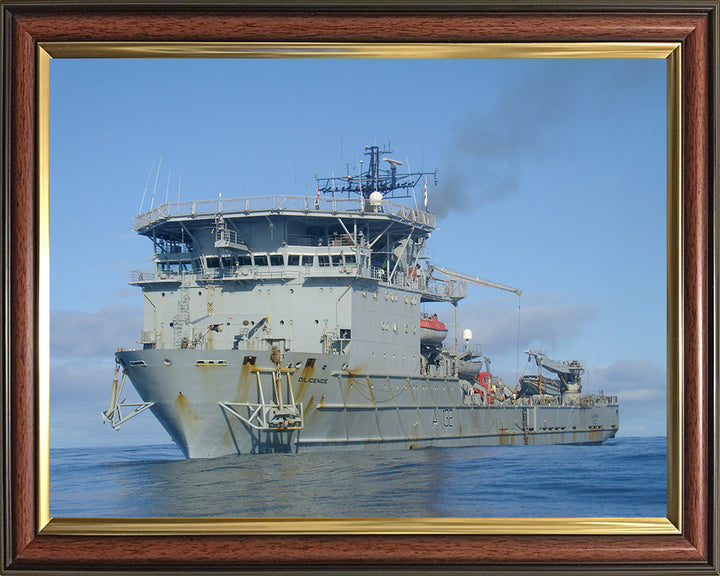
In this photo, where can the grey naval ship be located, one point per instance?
(295, 323)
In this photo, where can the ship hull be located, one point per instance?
(215, 403)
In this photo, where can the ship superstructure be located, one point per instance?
(287, 323)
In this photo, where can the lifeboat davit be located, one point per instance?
(432, 331)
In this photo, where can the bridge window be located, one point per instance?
(212, 262)
(307, 260)
(227, 262)
(277, 260)
(337, 259)
(323, 260)
(261, 260)
(244, 261)
(293, 259)
(350, 259)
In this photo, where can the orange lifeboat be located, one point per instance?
(432, 331)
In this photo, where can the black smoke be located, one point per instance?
(488, 149)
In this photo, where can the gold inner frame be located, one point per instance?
(671, 52)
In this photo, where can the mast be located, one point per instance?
(386, 181)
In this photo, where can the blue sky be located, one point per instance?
(552, 178)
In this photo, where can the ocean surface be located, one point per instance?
(624, 477)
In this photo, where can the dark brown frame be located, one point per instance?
(26, 24)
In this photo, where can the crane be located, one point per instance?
(568, 371)
(459, 276)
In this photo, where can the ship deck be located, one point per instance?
(295, 206)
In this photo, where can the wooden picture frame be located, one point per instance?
(688, 542)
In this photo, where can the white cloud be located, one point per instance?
(640, 394)
(79, 392)
(78, 380)
(82, 346)
(641, 387)
(94, 334)
(543, 322)
(633, 380)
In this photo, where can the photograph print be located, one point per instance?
(358, 288)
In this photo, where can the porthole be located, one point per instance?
(245, 322)
(167, 362)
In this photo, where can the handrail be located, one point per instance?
(279, 203)
(430, 286)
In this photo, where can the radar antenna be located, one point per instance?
(387, 181)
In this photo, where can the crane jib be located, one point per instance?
(452, 275)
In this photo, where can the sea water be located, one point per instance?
(624, 477)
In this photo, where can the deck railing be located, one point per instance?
(444, 289)
(230, 206)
